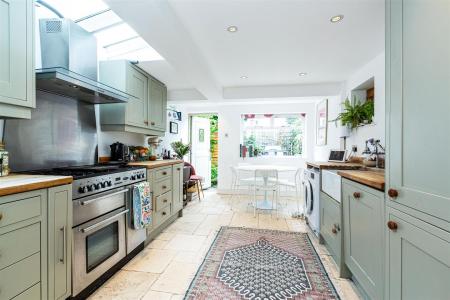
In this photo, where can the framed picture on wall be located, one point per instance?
(173, 127)
(322, 123)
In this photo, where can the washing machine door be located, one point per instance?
(309, 197)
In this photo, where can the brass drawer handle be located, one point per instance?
(164, 187)
(393, 193)
(357, 195)
(164, 213)
(165, 200)
(334, 230)
(146, 122)
(1, 216)
(153, 123)
(164, 173)
(178, 169)
(392, 225)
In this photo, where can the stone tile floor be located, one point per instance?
(165, 268)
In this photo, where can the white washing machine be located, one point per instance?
(311, 188)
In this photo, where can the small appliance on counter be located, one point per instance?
(374, 154)
(338, 156)
(119, 152)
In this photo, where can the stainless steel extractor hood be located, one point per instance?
(69, 64)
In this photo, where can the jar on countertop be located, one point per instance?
(4, 161)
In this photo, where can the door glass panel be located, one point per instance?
(101, 245)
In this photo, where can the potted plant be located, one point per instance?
(180, 149)
(356, 113)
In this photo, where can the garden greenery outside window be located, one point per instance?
(277, 135)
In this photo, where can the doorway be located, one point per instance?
(203, 135)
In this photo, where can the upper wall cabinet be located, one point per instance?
(418, 107)
(145, 111)
(17, 79)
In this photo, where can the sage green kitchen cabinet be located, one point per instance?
(418, 258)
(177, 187)
(59, 241)
(17, 79)
(331, 230)
(23, 244)
(418, 106)
(363, 236)
(145, 111)
(36, 244)
(157, 105)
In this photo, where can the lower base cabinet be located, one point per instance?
(363, 236)
(166, 184)
(35, 244)
(417, 260)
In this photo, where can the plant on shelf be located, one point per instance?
(180, 149)
(356, 113)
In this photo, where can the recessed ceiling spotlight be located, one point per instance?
(244, 77)
(336, 19)
(302, 74)
(232, 29)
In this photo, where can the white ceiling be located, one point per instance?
(276, 40)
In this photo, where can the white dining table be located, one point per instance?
(265, 203)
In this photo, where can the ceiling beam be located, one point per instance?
(156, 23)
(283, 91)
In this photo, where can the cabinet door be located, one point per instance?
(177, 187)
(157, 105)
(16, 52)
(59, 241)
(363, 237)
(418, 106)
(418, 259)
(137, 86)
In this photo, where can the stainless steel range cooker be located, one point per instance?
(103, 234)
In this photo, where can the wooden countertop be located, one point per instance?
(156, 163)
(374, 179)
(19, 183)
(334, 165)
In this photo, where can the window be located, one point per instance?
(272, 134)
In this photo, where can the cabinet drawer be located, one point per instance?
(163, 200)
(163, 173)
(20, 276)
(21, 210)
(33, 293)
(162, 215)
(18, 244)
(162, 187)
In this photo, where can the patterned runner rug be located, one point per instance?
(258, 264)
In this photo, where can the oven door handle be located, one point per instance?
(96, 225)
(93, 199)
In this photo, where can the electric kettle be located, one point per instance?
(119, 152)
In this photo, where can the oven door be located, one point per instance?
(98, 246)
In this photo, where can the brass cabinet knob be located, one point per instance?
(357, 195)
(165, 200)
(392, 225)
(1, 216)
(164, 173)
(164, 213)
(334, 230)
(153, 123)
(178, 169)
(393, 193)
(164, 187)
(146, 122)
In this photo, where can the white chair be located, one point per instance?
(239, 180)
(266, 181)
(296, 185)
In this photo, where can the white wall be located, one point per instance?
(229, 131)
(376, 69)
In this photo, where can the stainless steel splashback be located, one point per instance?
(61, 132)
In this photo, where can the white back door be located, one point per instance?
(201, 154)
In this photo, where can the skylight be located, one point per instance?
(116, 39)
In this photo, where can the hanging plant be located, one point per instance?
(356, 113)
